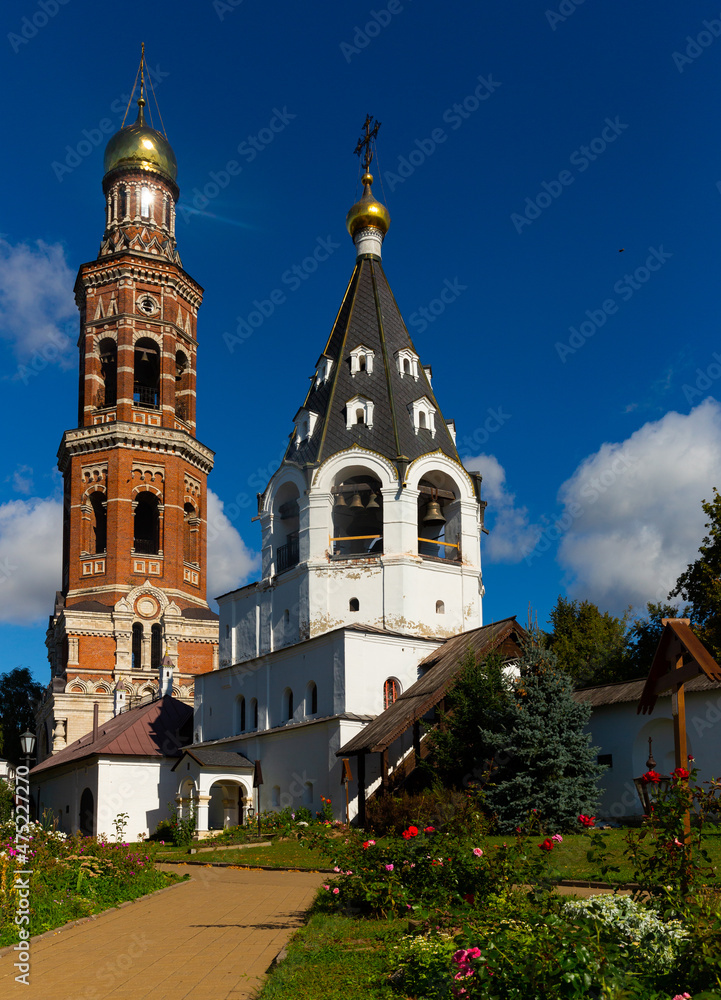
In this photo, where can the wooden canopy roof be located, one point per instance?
(439, 670)
(678, 642)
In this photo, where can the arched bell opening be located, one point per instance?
(146, 381)
(182, 398)
(107, 395)
(286, 526)
(438, 518)
(99, 523)
(147, 524)
(191, 533)
(357, 515)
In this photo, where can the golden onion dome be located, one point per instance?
(367, 211)
(140, 146)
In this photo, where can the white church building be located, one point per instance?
(370, 560)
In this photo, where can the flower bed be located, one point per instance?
(72, 877)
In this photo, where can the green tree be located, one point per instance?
(645, 634)
(700, 584)
(544, 760)
(476, 709)
(591, 647)
(19, 697)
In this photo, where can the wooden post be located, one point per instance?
(678, 711)
(384, 772)
(362, 790)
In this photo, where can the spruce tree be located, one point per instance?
(544, 761)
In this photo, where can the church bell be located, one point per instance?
(433, 514)
(373, 503)
(340, 500)
(356, 501)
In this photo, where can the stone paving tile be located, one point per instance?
(208, 939)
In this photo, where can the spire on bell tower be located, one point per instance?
(368, 220)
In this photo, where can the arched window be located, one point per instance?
(99, 533)
(391, 690)
(311, 701)
(440, 608)
(308, 794)
(137, 645)
(123, 204)
(286, 617)
(360, 416)
(357, 515)
(181, 384)
(275, 797)
(362, 363)
(87, 813)
(422, 419)
(146, 524)
(167, 212)
(406, 366)
(146, 202)
(191, 525)
(240, 714)
(108, 350)
(354, 604)
(156, 646)
(147, 374)
(254, 713)
(287, 705)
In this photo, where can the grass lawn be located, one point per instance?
(337, 958)
(568, 860)
(281, 854)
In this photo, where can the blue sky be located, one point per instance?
(522, 148)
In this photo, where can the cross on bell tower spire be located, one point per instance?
(363, 146)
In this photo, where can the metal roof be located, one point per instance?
(369, 316)
(439, 670)
(159, 729)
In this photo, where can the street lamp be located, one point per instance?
(27, 743)
(651, 785)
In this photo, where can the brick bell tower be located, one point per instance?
(135, 516)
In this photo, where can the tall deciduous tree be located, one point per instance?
(701, 582)
(19, 696)
(590, 645)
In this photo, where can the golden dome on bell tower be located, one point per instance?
(367, 211)
(142, 147)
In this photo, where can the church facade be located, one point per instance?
(134, 527)
(370, 559)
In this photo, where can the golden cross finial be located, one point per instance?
(364, 143)
(142, 73)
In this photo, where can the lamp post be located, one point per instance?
(651, 785)
(27, 744)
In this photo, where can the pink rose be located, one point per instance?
(389, 868)
(477, 851)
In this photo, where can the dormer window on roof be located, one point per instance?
(423, 415)
(407, 363)
(359, 410)
(361, 360)
(323, 370)
(451, 425)
(305, 421)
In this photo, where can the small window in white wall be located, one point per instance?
(287, 705)
(254, 713)
(423, 415)
(354, 604)
(308, 794)
(391, 690)
(240, 714)
(311, 699)
(440, 608)
(359, 410)
(361, 360)
(275, 797)
(407, 363)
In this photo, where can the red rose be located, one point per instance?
(547, 845)
(587, 820)
(412, 831)
(680, 772)
(651, 778)
(429, 829)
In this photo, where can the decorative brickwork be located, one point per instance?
(135, 517)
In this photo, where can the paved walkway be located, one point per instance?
(211, 938)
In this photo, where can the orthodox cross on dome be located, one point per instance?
(363, 145)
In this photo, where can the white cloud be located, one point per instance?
(37, 305)
(511, 535)
(230, 561)
(635, 509)
(22, 479)
(30, 559)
